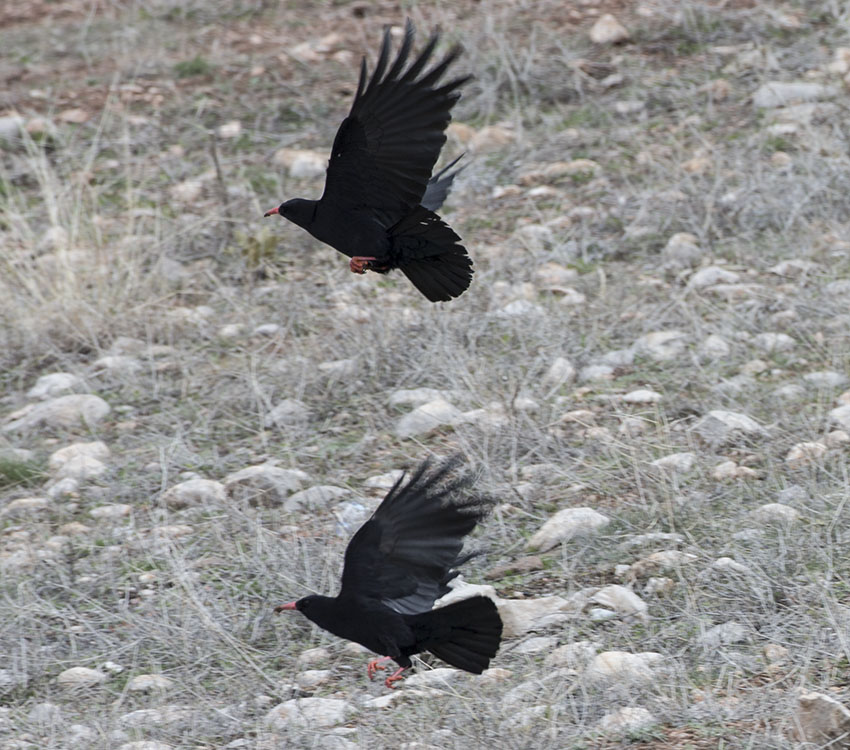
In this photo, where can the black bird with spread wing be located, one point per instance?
(379, 200)
(397, 564)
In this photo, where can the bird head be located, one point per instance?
(315, 607)
(297, 210)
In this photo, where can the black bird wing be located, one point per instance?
(439, 185)
(386, 148)
(405, 553)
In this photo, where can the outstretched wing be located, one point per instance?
(385, 149)
(405, 553)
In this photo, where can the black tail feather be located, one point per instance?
(429, 253)
(465, 634)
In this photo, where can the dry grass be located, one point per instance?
(96, 247)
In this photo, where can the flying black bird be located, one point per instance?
(379, 200)
(397, 564)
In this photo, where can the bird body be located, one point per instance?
(380, 196)
(397, 564)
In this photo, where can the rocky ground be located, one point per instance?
(649, 372)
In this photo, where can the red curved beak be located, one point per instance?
(290, 605)
(270, 212)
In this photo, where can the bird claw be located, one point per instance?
(374, 665)
(360, 264)
(394, 677)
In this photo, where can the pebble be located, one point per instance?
(428, 417)
(144, 683)
(805, 453)
(724, 634)
(566, 524)
(264, 484)
(781, 93)
(661, 346)
(111, 511)
(64, 412)
(711, 275)
(288, 413)
(608, 30)
(622, 667)
(315, 498)
(720, 426)
(778, 513)
(821, 719)
(202, 492)
(714, 347)
(627, 719)
(675, 463)
(80, 677)
(521, 615)
(309, 712)
(623, 601)
(55, 384)
(774, 342)
(560, 372)
(682, 251)
(642, 396)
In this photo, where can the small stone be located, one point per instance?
(776, 513)
(302, 163)
(288, 413)
(309, 713)
(682, 251)
(80, 678)
(187, 191)
(491, 138)
(805, 453)
(144, 683)
(596, 372)
(780, 93)
(111, 511)
(536, 645)
(428, 417)
(75, 116)
(117, 364)
(608, 30)
(339, 368)
(314, 498)
(642, 396)
(623, 601)
(837, 439)
(790, 392)
(229, 129)
(521, 615)
(841, 415)
(724, 634)
(663, 560)
(203, 492)
(622, 667)
(661, 346)
(434, 678)
(522, 565)
(727, 564)
(675, 463)
(318, 655)
(45, 714)
(711, 275)
(566, 524)
(417, 396)
(714, 347)
(521, 308)
(659, 586)
(627, 719)
(727, 470)
(264, 484)
(55, 384)
(719, 427)
(825, 379)
(775, 654)
(560, 372)
(146, 745)
(571, 655)
(74, 528)
(266, 329)
(313, 678)
(384, 481)
(24, 506)
(774, 342)
(821, 719)
(63, 412)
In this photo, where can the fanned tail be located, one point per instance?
(429, 253)
(467, 633)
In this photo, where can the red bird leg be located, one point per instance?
(375, 664)
(359, 263)
(394, 677)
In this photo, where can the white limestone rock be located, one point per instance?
(565, 525)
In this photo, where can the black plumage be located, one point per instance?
(398, 563)
(379, 199)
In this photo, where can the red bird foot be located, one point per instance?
(360, 263)
(374, 665)
(394, 677)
